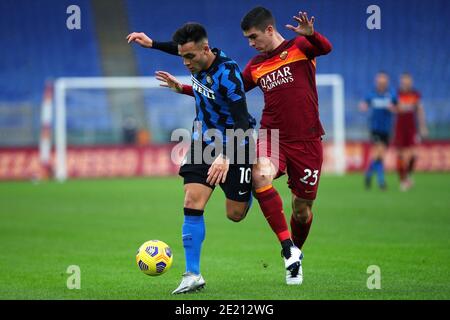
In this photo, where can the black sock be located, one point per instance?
(286, 247)
(411, 164)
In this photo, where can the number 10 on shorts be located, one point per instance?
(246, 174)
(311, 177)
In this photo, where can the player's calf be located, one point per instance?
(301, 220)
(301, 209)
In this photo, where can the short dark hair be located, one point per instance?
(258, 18)
(191, 31)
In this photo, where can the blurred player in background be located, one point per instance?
(285, 71)
(220, 106)
(409, 115)
(381, 104)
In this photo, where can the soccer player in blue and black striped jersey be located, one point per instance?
(380, 102)
(220, 107)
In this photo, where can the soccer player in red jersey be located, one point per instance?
(410, 113)
(285, 72)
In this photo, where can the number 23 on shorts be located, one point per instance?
(311, 177)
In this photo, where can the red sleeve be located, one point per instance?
(187, 90)
(418, 97)
(247, 78)
(313, 46)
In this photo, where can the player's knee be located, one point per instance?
(193, 200)
(236, 215)
(261, 175)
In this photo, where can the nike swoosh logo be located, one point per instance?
(242, 193)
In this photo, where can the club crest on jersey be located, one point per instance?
(283, 55)
(202, 89)
(209, 80)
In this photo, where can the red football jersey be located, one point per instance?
(287, 78)
(408, 102)
(405, 133)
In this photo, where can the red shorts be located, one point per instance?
(405, 133)
(405, 139)
(301, 161)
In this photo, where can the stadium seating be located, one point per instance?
(36, 46)
(404, 43)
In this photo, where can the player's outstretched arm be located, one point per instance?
(140, 38)
(312, 43)
(145, 41)
(169, 81)
(305, 26)
(169, 47)
(422, 121)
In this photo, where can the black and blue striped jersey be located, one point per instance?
(220, 97)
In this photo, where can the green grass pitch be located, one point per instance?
(99, 224)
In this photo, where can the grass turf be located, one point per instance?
(99, 224)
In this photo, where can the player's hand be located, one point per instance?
(169, 81)
(305, 26)
(217, 173)
(393, 108)
(140, 38)
(424, 132)
(363, 106)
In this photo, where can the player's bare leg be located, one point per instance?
(196, 196)
(412, 163)
(236, 210)
(264, 171)
(404, 165)
(301, 219)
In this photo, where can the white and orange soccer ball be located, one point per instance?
(154, 257)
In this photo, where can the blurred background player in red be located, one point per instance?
(381, 104)
(410, 116)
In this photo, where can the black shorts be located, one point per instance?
(238, 184)
(379, 137)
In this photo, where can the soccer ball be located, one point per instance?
(154, 257)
